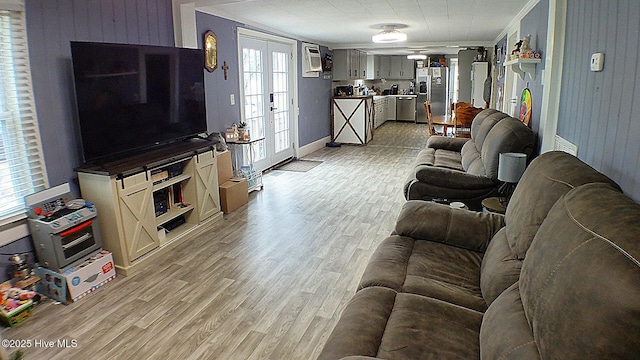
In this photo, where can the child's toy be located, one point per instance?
(16, 304)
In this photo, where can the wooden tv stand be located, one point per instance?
(153, 202)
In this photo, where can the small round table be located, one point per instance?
(493, 205)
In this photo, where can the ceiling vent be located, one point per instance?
(312, 63)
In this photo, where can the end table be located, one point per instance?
(493, 205)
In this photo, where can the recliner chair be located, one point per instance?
(466, 170)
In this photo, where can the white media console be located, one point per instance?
(153, 202)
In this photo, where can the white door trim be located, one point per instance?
(552, 79)
(509, 102)
(242, 32)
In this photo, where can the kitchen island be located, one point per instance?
(352, 119)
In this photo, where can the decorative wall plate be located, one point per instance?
(210, 51)
(525, 106)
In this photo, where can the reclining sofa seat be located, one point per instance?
(467, 169)
(426, 287)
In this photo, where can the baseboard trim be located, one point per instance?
(314, 146)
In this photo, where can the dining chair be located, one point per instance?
(464, 114)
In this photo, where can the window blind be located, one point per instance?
(22, 170)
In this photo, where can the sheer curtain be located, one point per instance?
(22, 170)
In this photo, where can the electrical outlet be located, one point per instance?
(232, 98)
(597, 62)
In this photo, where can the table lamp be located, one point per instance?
(510, 169)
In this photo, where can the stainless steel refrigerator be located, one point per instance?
(433, 85)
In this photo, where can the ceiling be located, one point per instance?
(432, 26)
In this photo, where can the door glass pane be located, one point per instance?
(254, 93)
(281, 101)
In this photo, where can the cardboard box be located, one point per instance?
(233, 194)
(225, 169)
(78, 280)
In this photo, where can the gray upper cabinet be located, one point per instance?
(384, 67)
(408, 68)
(352, 64)
(340, 69)
(402, 68)
(396, 67)
(362, 56)
(349, 64)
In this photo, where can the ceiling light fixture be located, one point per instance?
(389, 34)
(417, 56)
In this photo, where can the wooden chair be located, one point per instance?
(443, 121)
(464, 114)
(427, 109)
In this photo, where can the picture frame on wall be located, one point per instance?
(210, 45)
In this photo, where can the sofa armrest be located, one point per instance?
(431, 221)
(446, 143)
(452, 179)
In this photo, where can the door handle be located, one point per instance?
(274, 108)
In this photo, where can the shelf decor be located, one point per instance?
(210, 51)
(522, 66)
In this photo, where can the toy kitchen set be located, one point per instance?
(67, 242)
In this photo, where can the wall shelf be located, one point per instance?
(522, 66)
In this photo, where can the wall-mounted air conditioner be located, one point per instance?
(311, 62)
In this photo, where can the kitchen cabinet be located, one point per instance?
(391, 108)
(402, 68)
(363, 63)
(381, 107)
(352, 119)
(354, 63)
(349, 64)
(373, 67)
(340, 69)
(385, 67)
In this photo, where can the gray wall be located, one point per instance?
(599, 110)
(50, 27)
(314, 94)
(52, 24)
(535, 24)
(314, 121)
(220, 113)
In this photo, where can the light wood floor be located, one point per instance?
(269, 282)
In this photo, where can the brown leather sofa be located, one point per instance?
(466, 170)
(557, 277)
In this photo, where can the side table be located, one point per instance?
(243, 162)
(493, 205)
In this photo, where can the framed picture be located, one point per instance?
(210, 51)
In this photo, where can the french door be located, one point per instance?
(266, 99)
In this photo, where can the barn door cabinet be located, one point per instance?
(152, 203)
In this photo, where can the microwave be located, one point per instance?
(346, 90)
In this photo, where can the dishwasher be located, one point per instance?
(406, 108)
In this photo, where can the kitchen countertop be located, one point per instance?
(353, 97)
(395, 96)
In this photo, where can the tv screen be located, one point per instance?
(131, 98)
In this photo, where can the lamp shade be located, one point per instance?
(511, 167)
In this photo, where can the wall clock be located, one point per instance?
(210, 51)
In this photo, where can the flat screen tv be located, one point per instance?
(132, 98)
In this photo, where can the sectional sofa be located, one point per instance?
(556, 277)
(463, 169)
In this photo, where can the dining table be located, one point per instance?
(446, 121)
